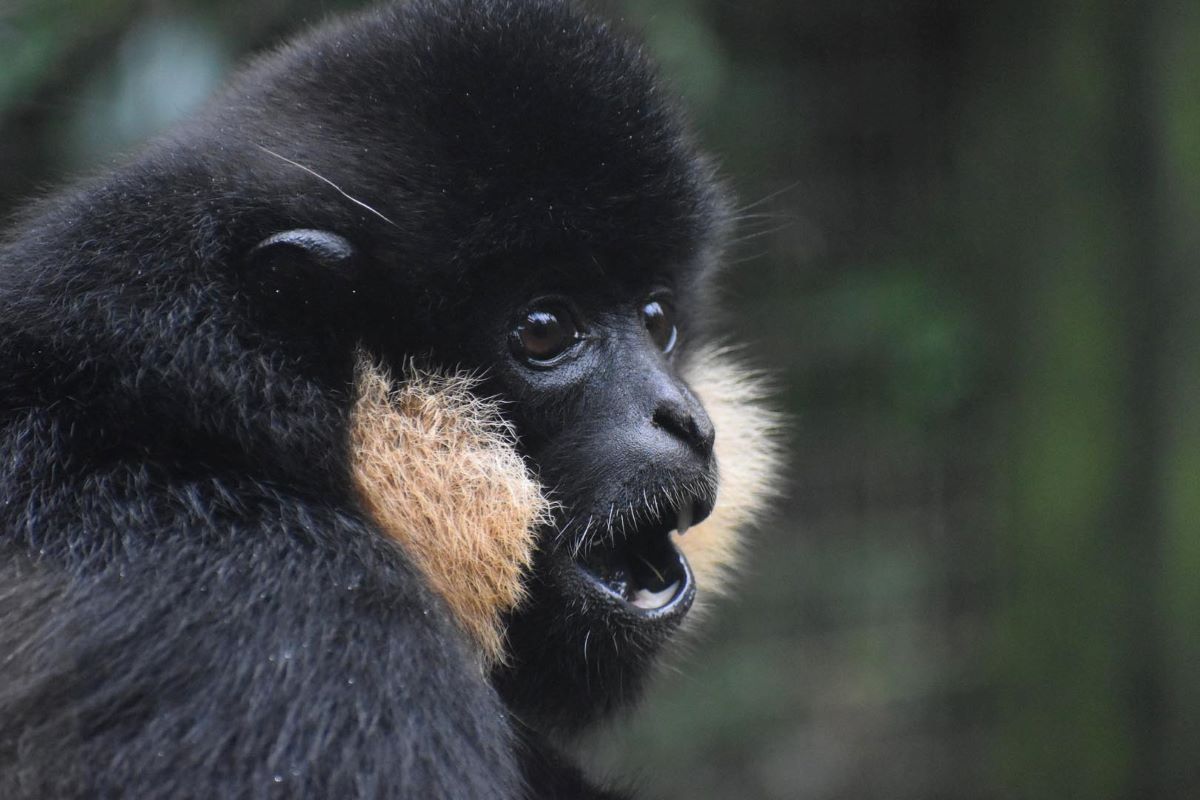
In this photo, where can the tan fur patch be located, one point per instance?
(749, 457)
(436, 468)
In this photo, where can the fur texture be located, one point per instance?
(437, 470)
(749, 456)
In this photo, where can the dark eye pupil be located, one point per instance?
(660, 322)
(545, 333)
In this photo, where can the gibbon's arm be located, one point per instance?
(222, 651)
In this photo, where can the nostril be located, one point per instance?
(696, 431)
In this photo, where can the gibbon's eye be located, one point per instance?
(545, 332)
(659, 316)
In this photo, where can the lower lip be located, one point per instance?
(676, 607)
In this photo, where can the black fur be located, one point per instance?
(192, 603)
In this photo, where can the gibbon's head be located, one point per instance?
(502, 189)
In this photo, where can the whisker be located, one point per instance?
(767, 198)
(741, 219)
(749, 237)
(322, 178)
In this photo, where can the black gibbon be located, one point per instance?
(360, 437)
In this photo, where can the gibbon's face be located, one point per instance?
(620, 442)
(588, 357)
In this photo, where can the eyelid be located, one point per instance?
(543, 301)
(661, 295)
(664, 297)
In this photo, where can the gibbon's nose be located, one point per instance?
(682, 415)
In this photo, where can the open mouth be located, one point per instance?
(640, 565)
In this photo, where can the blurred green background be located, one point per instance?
(971, 259)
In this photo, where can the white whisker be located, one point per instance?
(322, 178)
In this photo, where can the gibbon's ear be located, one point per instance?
(323, 247)
(304, 250)
(302, 273)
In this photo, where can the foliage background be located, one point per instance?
(970, 256)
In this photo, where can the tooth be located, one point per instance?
(644, 598)
(685, 519)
